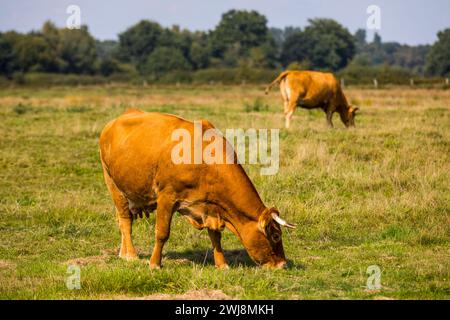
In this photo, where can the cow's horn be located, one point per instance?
(281, 222)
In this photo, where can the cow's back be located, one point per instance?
(135, 144)
(313, 86)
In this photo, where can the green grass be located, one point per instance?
(374, 195)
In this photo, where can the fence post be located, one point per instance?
(342, 82)
(375, 83)
(144, 83)
(446, 81)
(411, 82)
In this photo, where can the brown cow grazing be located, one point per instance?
(136, 154)
(310, 90)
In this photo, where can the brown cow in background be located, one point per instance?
(310, 90)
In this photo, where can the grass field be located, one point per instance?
(374, 195)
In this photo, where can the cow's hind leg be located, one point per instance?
(164, 214)
(289, 101)
(219, 258)
(284, 96)
(125, 220)
(127, 250)
(291, 108)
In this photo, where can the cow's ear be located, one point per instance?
(356, 109)
(265, 220)
(263, 224)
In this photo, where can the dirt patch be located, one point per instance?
(180, 261)
(204, 294)
(313, 258)
(372, 291)
(382, 298)
(4, 264)
(98, 260)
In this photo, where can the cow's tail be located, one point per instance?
(276, 81)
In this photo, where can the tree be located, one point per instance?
(411, 57)
(163, 60)
(77, 49)
(390, 53)
(332, 45)
(199, 52)
(438, 60)
(360, 39)
(243, 29)
(139, 41)
(232, 55)
(28, 52)
(52, 36)
(108, 66)
(324, 43)
(107, 48)
(33, 53)
(295, 48)
(377, 39)
(6, 56)
(280, 35)
(176, 38)
(265, 55)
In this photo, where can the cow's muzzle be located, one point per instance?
(277, 265)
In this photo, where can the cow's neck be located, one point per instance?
(343, 112)
(342, 106)
(237, 195)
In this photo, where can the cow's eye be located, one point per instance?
(276, 237)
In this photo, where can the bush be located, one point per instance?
(304, 65)
(177, 76)
(214, 76)
(22, 108)
(4, 81)
(18, 78)
(164, 60)
(257, 105)
(358, 74)
(235, 75)
(57, 79)
(62, 79)
(108, 67)
(353, 75)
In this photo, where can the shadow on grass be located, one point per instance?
(235, 258)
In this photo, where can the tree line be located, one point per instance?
(242, 39)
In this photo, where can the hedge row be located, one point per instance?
(352, 75)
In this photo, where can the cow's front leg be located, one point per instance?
(219, 258)
(329, 118)
(164, 214)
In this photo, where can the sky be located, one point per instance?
(406, 21)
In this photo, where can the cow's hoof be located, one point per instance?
(155, 266)
(223, 266)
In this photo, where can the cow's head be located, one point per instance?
(264, 245)
(351, 116)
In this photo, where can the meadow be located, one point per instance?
(377, 194)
